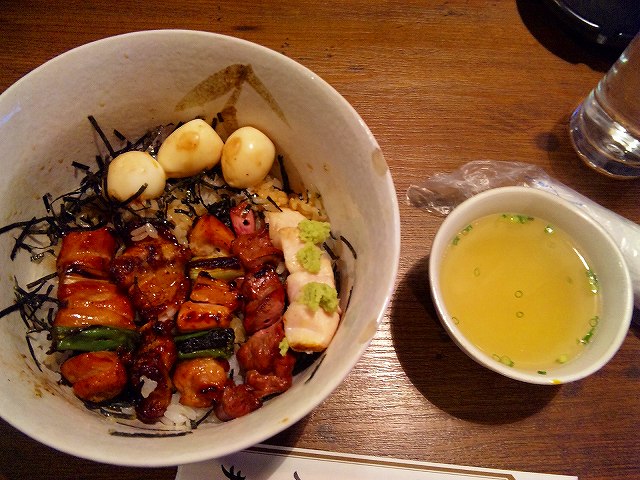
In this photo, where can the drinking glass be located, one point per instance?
(605, 128)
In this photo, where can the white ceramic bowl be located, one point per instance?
(136, 81)
(591, 239)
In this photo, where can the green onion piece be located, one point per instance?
(208, 353)
(92, 339)
(517, 218)
(504, 360)
(507, 361)
(223, 268)
(587, 338)
(461, 233)
(283, 346)
(216, 343)
(593, 281)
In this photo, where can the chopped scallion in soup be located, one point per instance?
(520, 290)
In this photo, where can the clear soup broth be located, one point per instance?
(521, 291)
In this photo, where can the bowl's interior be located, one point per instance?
(604, 256)
(137, 81)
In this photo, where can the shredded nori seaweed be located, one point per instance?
(159, 434)
(286, 187)
(348, 244)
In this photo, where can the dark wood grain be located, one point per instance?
(439, 83)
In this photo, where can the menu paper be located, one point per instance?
(267, 462)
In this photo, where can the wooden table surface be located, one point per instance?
(439, 83)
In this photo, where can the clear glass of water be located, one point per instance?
(605, 128)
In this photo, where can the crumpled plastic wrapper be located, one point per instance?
(442, 192)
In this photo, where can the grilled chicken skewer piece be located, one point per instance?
(308, 327)
(93, 313)
(152, 271)
(202, 380)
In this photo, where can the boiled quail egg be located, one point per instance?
(129, 171)
(190, 149)
(247, 156)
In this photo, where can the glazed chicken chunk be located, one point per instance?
(201, 381)
(152, 272)
(91, 302)
(87, 252)
(267, 370)
(150, 374)
(95, 376)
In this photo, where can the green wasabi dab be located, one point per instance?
(316, 294)
(309, 257)
(313, 231)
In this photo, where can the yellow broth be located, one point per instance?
(520, 290)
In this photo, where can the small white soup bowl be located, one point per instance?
(590, 238)
(135, 82)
